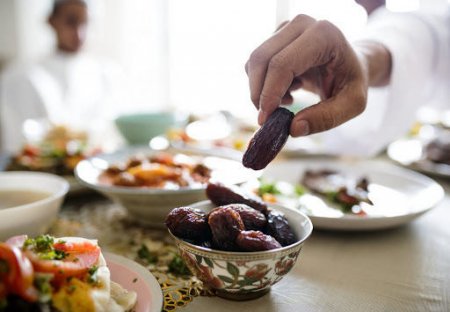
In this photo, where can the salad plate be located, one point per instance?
(135, 277)
(396, 195)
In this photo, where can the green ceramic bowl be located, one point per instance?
(140, 128)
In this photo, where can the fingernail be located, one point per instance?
(262, 117)
(301, 128)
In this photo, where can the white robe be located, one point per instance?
(75, 90)
(420, 48)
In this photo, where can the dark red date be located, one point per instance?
(188, 223)
(225, 224)
(278, 227)
(268, 140)
(221, 195)
(256, 241)
(252, 218)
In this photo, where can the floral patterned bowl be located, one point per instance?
(244, 275)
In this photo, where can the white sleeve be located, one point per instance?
(419, 44)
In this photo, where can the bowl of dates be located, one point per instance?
(238, 251)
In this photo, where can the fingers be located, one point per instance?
(257, 65)
(306, 51)
(330, 113)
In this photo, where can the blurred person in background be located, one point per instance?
(401, 63)
(68, 87)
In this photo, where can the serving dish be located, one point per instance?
(135, 277)
(410, 152)
(150, 205)
(239, 275)
(33, 218)
(398, 195)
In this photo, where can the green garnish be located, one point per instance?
(71, 289)
(42, 284)
(145, 254)
(92, 272)
(43, 246)
(267, 188)
(333, 196)
(299, 189)
(178, 267)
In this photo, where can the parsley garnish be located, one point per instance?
(43, 246)
(92, 278)
(178, 267)
(145, 254)
(42, 284)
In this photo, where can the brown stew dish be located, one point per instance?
(162, 170)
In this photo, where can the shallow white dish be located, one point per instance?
(409, 153)
(133, 276)
(151, 205)
(399, 195)
(34, 218)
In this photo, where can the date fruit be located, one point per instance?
(188, 223)
(256, 241)
(252, 218)
(221, 195)
(268, 140)
(225, 224)
(278, 227)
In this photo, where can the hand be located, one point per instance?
(313, 55)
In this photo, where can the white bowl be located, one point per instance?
(151, 205)
(34, 218)
(244, 275)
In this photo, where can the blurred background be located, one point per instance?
(177, 55)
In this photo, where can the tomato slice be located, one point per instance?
(80, 256)
(17, 274)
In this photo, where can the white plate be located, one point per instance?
(409, 153)
(133, 276)
(399, 195)
(224, 170)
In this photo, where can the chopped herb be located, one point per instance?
(92, 278)
(178, 267)
(71, 289)
(42, 284)
(4, 267)
(300, 190)
(267, 188)
(145, 254)
(43, 246)
(40, 244)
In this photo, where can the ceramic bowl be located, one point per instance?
(140, 128)
(244, 275)
(148, 205)
(36, 217)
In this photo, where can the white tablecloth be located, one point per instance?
(404, 269)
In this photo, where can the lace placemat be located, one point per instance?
(154, 249)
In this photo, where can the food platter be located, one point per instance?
(398, 195)
(409, 152)
(132, 276)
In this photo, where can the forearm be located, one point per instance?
(376, 60)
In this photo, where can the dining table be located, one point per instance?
(406, 268)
